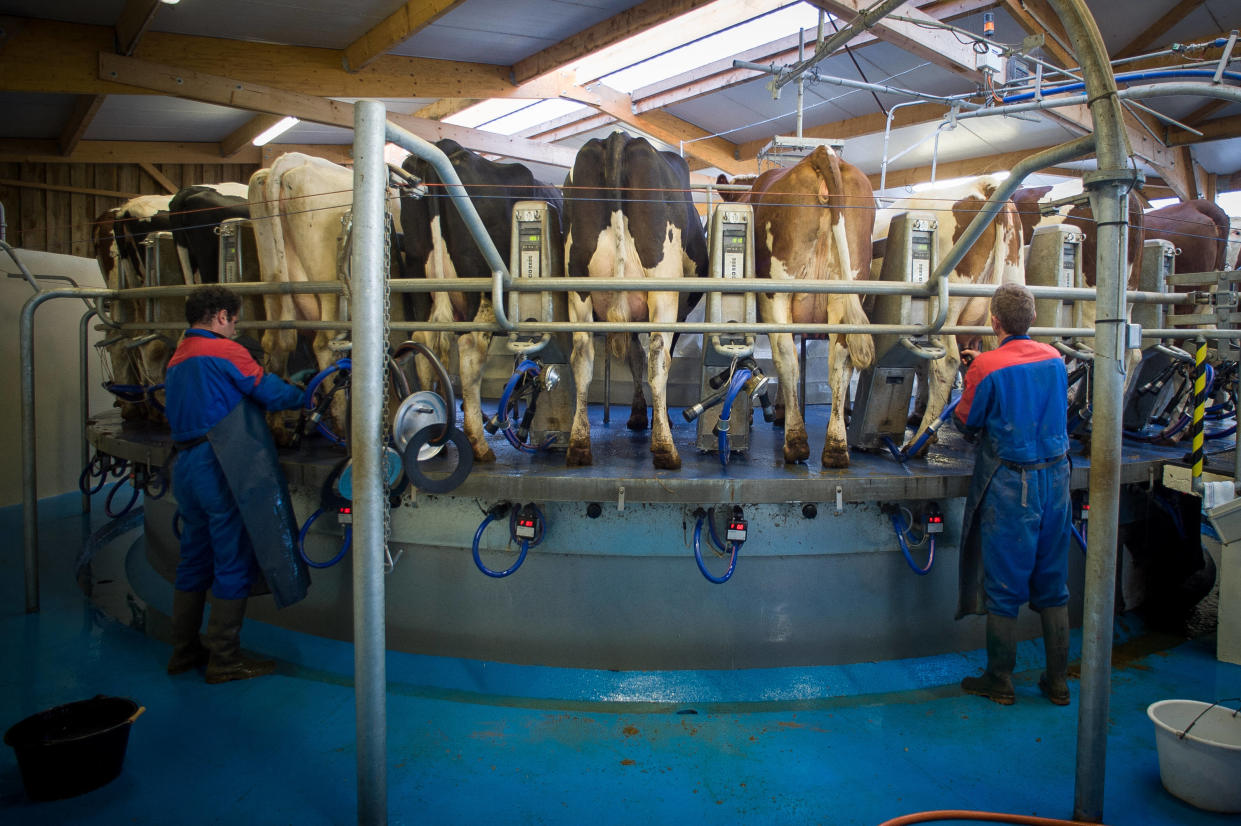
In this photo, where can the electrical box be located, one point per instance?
(991, 60)
(163, 268)
(1055, 260)
(535, 253)
(1158, 262)
(881, 404)
(730, 245)
(238, 262)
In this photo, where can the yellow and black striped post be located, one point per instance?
(1200, 406)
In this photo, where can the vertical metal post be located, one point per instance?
(84, 390)
(369, 322)
(30, 462)
(1109, 189)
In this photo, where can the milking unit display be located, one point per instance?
(595, 566)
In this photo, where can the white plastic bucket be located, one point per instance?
(1201, 766)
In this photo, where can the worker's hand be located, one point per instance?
(968, 356)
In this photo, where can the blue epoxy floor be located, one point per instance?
(473, 743)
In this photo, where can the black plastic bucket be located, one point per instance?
(71, 749)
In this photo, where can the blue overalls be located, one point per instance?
(1017, 516)
(207, 378)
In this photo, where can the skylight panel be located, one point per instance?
(507, 116)
(711, 48)
(532, 115)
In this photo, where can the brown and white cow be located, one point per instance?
(995, 258)
(629, 215)
(1082, 217)
(438, 245)
(1026, 202)
(813, 221)
(1198, 229)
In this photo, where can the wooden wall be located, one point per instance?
(51, 207)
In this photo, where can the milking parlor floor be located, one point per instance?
(472, 742)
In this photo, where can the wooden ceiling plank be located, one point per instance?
(1200, 115)
(20, 150)
(135, 18)
(1212, 130)
(930, 43)
(444, 107)
(62, 58)
(244, 135)
(225, 91)
(691, 140)
(84, 111)
(398, 27)
(1157, 30)
(954, 169)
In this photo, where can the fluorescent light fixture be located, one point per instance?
(284, 125)
(170, 2)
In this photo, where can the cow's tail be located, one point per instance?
(860, 345)
(613, 167)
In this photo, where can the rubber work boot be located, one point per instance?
(224, 640)
(187, 617)
(1056, 647)
(996, 683)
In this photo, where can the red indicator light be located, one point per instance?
(346, 510)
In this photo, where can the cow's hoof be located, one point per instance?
(666, 459)
(484, 454)
(637, 421)
(835, 457)
(578, 457)
(796, 451)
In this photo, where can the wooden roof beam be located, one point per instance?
(226, 91)
(135, 18)
(1037, 17)
(927, 41)
(398, 27)
(84, 111)
(634, 21)
(1157, 30)
(694, 142)
(63, 58)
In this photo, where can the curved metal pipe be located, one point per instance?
(30, 464)
(432, 154)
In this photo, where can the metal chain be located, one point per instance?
(389, 561)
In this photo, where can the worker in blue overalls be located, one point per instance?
(1017, 515)
(210, 382)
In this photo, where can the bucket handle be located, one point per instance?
(141, 709)
(1180, 734)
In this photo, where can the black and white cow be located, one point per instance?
(195, 213)
(629, 214)
(438, 245)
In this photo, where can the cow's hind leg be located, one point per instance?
(659, 360)
(835, 444)
(637, 368)
(472, 353)
(784, 354)
(582, 361)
